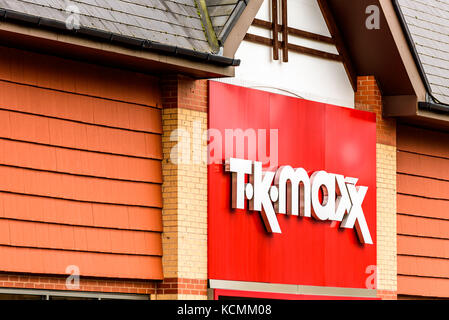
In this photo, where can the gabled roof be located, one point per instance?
(427, 22)
(386, 53)
(223, 14)
(183, 24)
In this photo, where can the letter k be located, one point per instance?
(261, 200)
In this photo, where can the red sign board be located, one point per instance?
(310, 135)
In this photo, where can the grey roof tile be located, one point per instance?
(428, 23)
(172, 22)
(220, 12)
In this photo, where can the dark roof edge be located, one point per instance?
(189, 54)
(232, 20)
(434, 107)
(432, 103)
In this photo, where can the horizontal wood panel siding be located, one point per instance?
(75, 107)
(25, 67)
(423, 212)
(90, 264)
(423, 227)
(59, 211)
(423, 286)
(423, 266)
(425, 247)
(415, 205)
(423, 141)
(423, 187)
(67, 134)
(422, 165)
(80, 168)
(79, 162)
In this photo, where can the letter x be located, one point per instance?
(356, 216)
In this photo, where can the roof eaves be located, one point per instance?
(18, 17)
(432, 103)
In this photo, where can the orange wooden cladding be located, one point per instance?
(91, 264)
(423, 227)
(52, 72)
(423, 187)
(418, 206)
(81, 108)
(423, 286)
(79, 162)
(73, 187)
(423, 141)
(423, 165)
(53, 236)
(80, 168)
(35, 208)
(423, 212)
(62, 133)
(423, 266)
(431, 247)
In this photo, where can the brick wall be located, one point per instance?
(369, 98)
(26, 281)
(184, 170)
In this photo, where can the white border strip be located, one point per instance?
(292, 289)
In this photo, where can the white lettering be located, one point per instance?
(325, 196)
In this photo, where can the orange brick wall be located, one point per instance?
(25, 281)
(369, 98)
(180, 286)
(183, 92)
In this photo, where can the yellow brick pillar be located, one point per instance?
(184, 169)
(369, 98)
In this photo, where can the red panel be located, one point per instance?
(313, 136)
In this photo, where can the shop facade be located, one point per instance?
(290, 163)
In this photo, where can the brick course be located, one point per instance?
(182, 286)
(26, 281)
